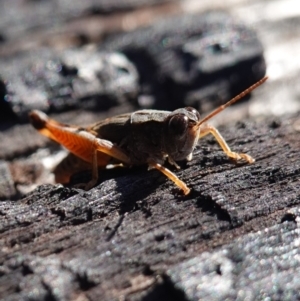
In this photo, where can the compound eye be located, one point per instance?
(178, 124)
(194, 111)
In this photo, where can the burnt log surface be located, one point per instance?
(192, 60)
(52, 82)
(136, 237)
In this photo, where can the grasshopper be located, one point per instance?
(142, 137)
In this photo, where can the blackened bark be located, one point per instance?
(136, 237)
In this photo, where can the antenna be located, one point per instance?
(232, 101)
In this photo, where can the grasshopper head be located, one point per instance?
(181, 133)
(182, 127)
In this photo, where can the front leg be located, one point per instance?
(171, 176)
(208, 129)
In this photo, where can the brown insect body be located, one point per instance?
(142, 137)
(152, 135)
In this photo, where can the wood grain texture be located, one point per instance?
(122, 239)
(135, 236)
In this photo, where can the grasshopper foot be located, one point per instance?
(241, 156)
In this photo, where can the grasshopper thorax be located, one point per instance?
(181, 133)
